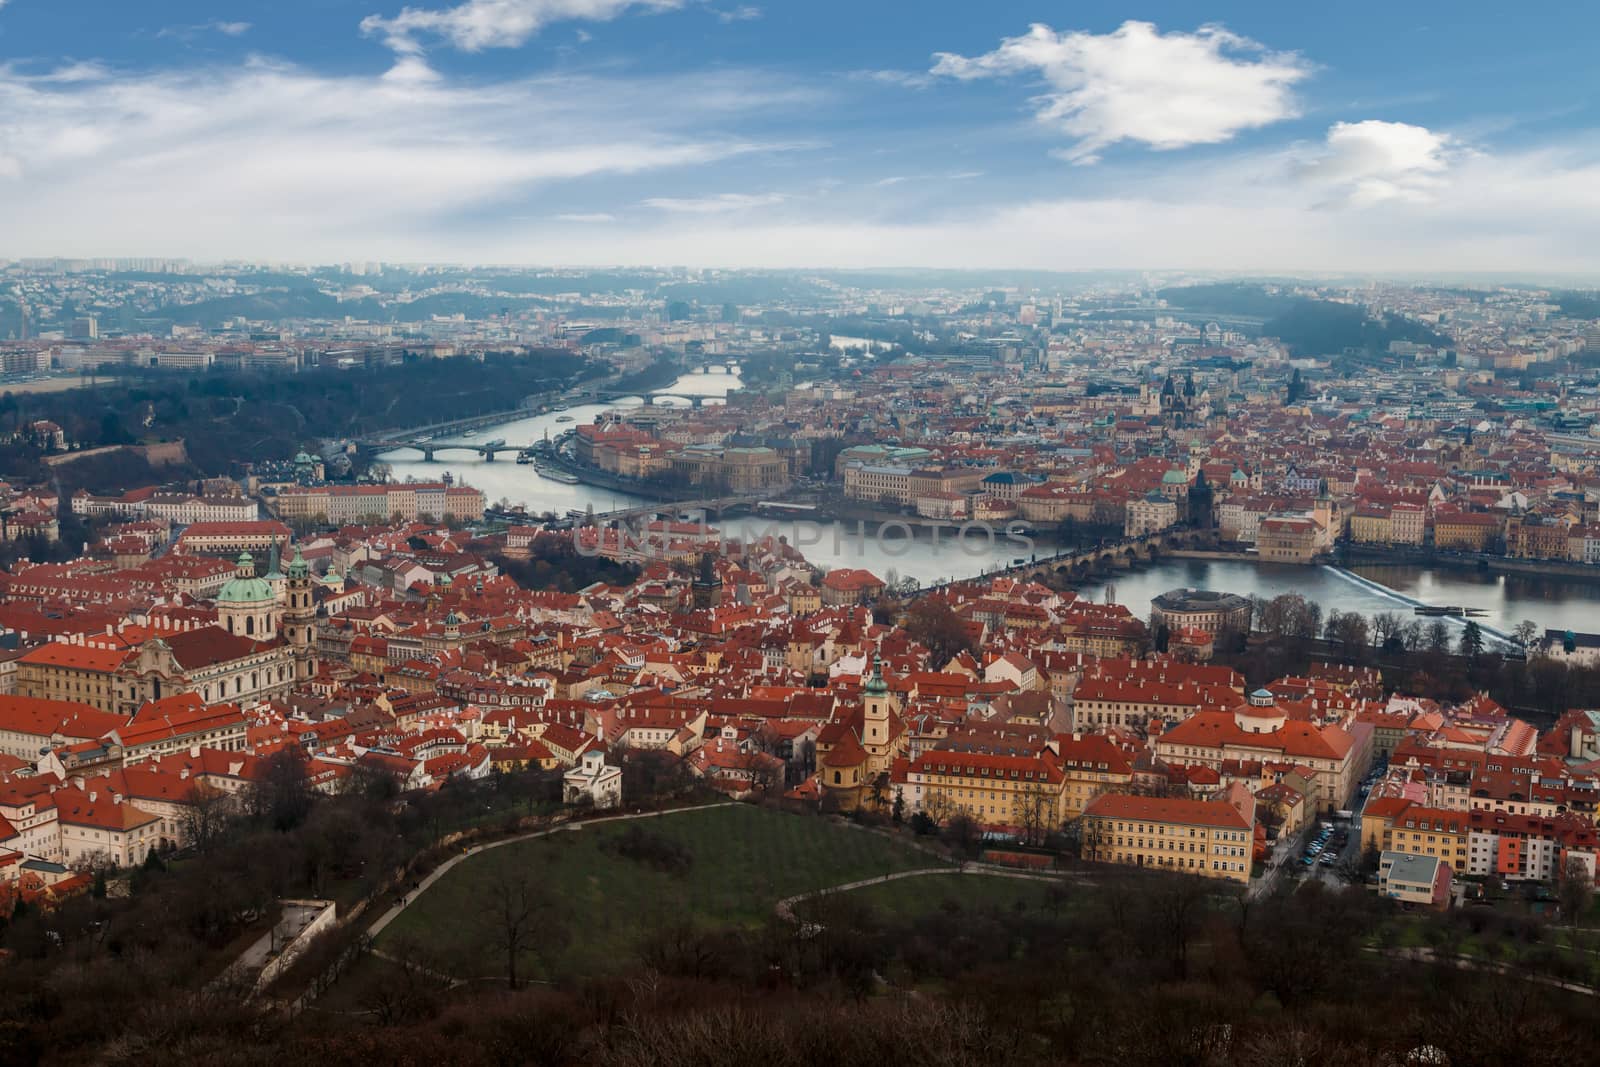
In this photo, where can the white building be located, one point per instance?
(593, 782)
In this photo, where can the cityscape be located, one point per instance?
(1008, 539)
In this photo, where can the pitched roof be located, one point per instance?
(1214, 813)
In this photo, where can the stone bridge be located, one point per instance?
(1080, 564)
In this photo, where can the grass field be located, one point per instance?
(910, 897)
(744, 860)
(46, 385)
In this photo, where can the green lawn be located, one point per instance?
(911, 897)
(744, 860)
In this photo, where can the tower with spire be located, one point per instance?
(300, 617)
(875, 710)
(857, 748)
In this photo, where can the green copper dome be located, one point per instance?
(298, 567)
(244, 587)
(875, 684)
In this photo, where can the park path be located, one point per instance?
(407, 899)
(785, 907)
(1428, 955)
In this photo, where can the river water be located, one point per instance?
(1506, 600)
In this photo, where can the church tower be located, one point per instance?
(299, 617)
(875, 700)
(706, 589)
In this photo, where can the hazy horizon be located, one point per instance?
(595, 133)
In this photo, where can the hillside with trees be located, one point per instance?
(226, 416)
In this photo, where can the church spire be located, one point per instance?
(875, 684)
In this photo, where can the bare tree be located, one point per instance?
(1576, 890)
(1438, 636)
(938, 806)
(1036, 813)
(764, 772)
(1350, 630)
(1526, 633)
(408, 991)
(512, 908)
(1178, 904)
(1412, 637)
(1387, 625)
(206, 815)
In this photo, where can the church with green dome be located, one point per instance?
(247, 605)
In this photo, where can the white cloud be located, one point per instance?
(261, 158)
(719, 204)
(478, 24)
(742, 13)
(905, 79)
(188, 33)
(1533, 212)
(1137, 84)
(586, 217)
(1371, 162)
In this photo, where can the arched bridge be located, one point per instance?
(1079, 564)
(487, 449)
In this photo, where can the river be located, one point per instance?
(1556, 603)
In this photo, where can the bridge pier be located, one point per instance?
(427, 455)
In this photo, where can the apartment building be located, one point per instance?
(1210, 838)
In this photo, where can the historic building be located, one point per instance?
(859, 746)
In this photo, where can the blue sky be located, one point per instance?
(1241, 136)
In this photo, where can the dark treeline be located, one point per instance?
(1116, 967)
(1307, 326)
(1423, 657)
(554, 563)
(225, 417)
(1131, 970)
(122, 974)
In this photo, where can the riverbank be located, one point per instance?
(1434, 560)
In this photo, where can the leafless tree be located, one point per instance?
(1036, 813)
(1387, 625)
(512, 908)
(1576, 890)
(206, 815)
(408, 991)
(1177, 906)
(1438, 636)
(1412, 636)
(764, 772)
(1526, 633)
(938, 806)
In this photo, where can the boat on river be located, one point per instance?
(556, 474)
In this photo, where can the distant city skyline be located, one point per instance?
(1238, 138)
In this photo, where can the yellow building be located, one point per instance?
(1372, 526)
(1419, 831)
(1288, 539)
(1468, 531)
(997, 791)
(1090, 765)
(1210, 838)
(67, 670)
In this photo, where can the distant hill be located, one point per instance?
(1308, 327)
(1228, 298)
(1323, 328)
(1580, 305)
